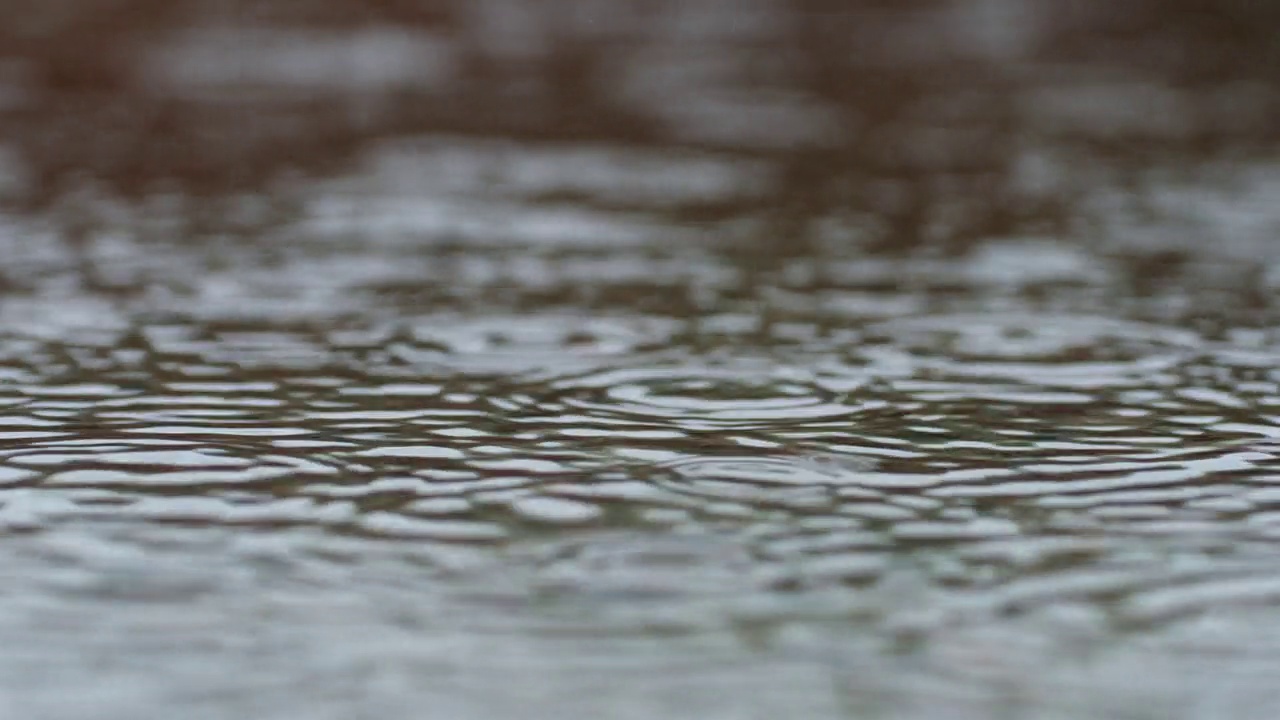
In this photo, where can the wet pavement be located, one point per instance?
(719, 359)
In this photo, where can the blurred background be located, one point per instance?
(932, 122)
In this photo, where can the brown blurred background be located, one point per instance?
(942, 119)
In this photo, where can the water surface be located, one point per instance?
(596, 361)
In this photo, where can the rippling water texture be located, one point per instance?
(639, 360)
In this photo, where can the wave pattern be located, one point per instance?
(909, 519)
(286, 471)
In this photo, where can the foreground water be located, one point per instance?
(972, 416)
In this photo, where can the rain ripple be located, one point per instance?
(726, 395)
(1048, 351)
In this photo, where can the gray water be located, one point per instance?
(719, 360)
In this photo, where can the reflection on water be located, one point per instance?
(631, 360)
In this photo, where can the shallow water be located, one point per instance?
(466, 361)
